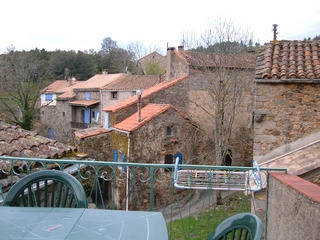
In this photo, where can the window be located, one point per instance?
(48, 96)
(169, 131)
(114, 95)
(63, 114)
(88, 95)
(168, 159)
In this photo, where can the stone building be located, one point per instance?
(205, 71)
(148, 60)
(287, 93)
(69, 105)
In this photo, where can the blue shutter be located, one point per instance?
(48, 96)
(115, 155)
(51, 133)
(109, 125)
(123, 158)
(87, 117)
(88, 96)
(179, 155)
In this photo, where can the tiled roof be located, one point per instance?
(98, 81)
(133, 82)
(289, 60)
(298, 162)
(56, 86)
(89, 132)
(150, 54)
(150, 91)
(148, 113)
(17, 142)
(85, 103)
(63, 87)
(205, 59)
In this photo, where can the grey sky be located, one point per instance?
(82, 25)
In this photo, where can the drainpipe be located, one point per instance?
(127, 172)
(139, 93)
(100, 110)
(127, 182)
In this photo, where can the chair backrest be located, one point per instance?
(240, 226)
(47, 188)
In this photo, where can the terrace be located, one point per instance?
(190, 212)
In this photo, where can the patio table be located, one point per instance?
(80, 223)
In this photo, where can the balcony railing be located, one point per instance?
(190, 213)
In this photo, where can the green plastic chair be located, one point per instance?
(47, 188)
(242, 226)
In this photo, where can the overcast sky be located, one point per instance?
(82, 25)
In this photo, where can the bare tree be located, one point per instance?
(222, 69)
(141, 50)
(21, 78)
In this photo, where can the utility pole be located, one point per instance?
(275, 32)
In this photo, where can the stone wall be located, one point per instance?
(58, 118)
(150, 144)
(97, 147)
(293, 208)
(284, 113)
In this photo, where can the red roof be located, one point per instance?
(209, 59)
(17, 142)
(289, 60)
(150, 91)
(133, 82)
(98, 81)
(148, 113)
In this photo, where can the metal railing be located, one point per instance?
(189, 213)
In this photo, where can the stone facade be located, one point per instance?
(151, 144)
(287, 82)
(152, 57)
(202, 78)
(284, 113)
(97, 147)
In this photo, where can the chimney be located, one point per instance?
(104, 71)
(170, 53)
(69, 80)
(180, 48)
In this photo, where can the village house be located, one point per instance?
(153, 59)
(204, 71)
(68, 105)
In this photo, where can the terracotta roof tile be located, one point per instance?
(133, 82)
(89, 132)
(98, 81)
(242, 61)
(148, 113)
(289, 60)
(17, 142)
(150, 91)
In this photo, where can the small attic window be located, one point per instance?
(114, 95)
(169, 131)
